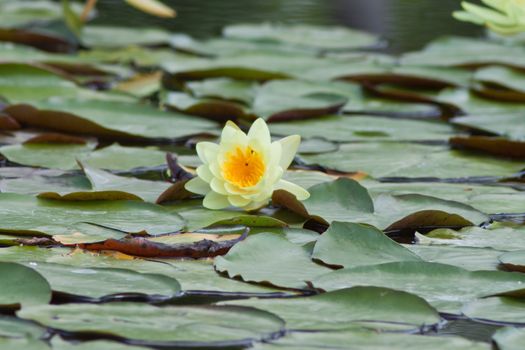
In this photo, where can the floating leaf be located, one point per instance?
(346, 200)
(369, 306)
(167, 326)
(26, 214)
(514, 261)
(348, 245)
(269, 259)
(361, 339)
(496, 310)
(22, 287)
(436, 283)
(412, 161)
(509, 338)
(102, 284)
(109, 119)
(302, 35)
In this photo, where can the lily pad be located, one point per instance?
(500, 310)
(362, 340)
(509, 338)
(270, 259)
(348, 245)
(459, 51)
(98, 284)
(109, 119)
(11, 327)
(501, 237)
(514, 261)
(28, 215)
(468, 258)
(412, 161)
(302, 35)
(364, 128)
(166, 326)
(436, 283)
(111, 36)
(22, 286)
(193, 275)
(342, 309)
(26, 83)
(346, 200)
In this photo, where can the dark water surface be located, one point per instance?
(405, 24)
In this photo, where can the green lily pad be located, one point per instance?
(11, 327)
(353, 128)
(488, 199)
(226, 89)
(346, 200)
(58, 156)
(348, 245)
(502, 77)
(496, 310)
(198, 217)
(509, 125)
(145, 189)
(501, 237)
(342, 309)
(26, 83)
(196, 275)
(37, 184)
(509, 338)
(269, 259)
(101, 283)
(168, 326)
(302, 35)
(514, 261)
(23, 343)
(29, 215)
(110, 119)
(59, 344)
(111, 36)
(13, 14)
(459, 51)
(363, 340)
(66, 156)
(469, 258)
(22, 286)
(412, 161)
(436, 283)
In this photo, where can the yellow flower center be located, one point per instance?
(243, 167)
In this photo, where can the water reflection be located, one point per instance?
(406, 24)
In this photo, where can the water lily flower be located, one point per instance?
(502, 16)
(243, 170)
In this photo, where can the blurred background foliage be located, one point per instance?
(405, 24)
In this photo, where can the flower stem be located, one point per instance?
(88, 7)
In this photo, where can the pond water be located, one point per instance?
(405, 24)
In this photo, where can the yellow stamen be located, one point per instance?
(243, 167)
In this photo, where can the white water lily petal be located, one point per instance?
(203, 171)
(218, 186)
(259, 131)
(213, 200)
(153, 7)
(256, 205)
(197, 185)
(238, 201)
(299, 192)
(289, 146)
(207, 151)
